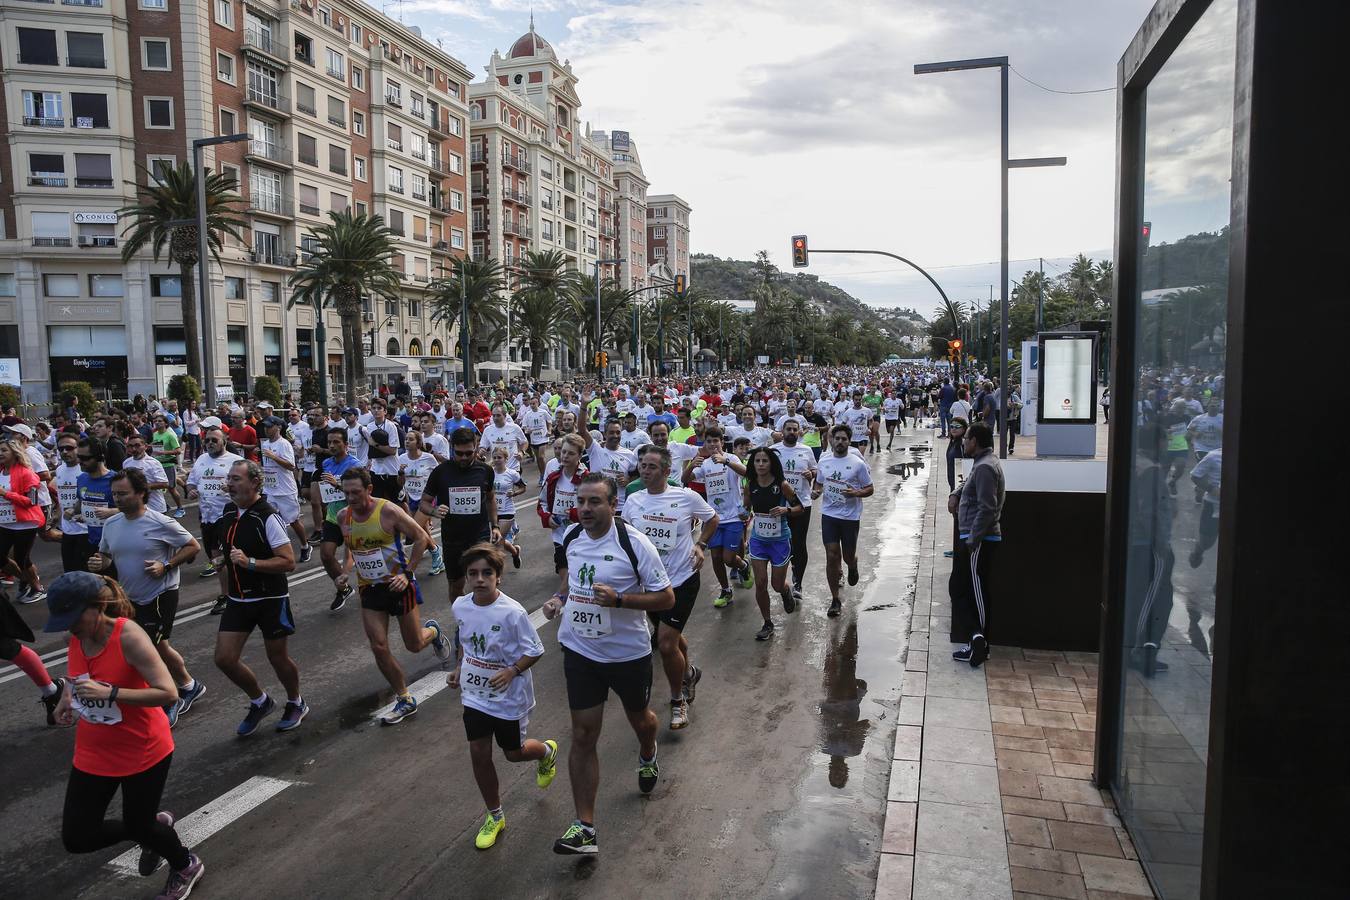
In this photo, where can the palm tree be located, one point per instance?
(353, 261)
(477, 285)
(158, 217)
(541, 306)
(614, 311)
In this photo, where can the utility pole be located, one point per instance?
(1040, 299)
(463, 324)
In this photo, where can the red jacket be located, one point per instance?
(545, 508)
(22, 480)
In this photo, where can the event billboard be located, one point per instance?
(1068, 378)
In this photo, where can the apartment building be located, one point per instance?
(344, 108)
(630, 209)
(668, 234)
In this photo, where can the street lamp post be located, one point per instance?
(208, 339)
(597, 264)
(1000, 63)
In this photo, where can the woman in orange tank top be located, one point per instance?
(115, 693)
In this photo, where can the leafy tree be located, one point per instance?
(161, 203)
(541, 305)
(10, 396)
(477, 284)
(309, 387)
(266, 387)
(84, 396)
(184, 389)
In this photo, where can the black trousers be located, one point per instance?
(1148, 594)
(968, 587)
(75, 552)
(85, 830)
(800, 526)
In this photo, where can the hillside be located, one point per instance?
(736, 279)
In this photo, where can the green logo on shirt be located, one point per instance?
(478, 643)
(586, 575)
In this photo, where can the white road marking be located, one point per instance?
(200, 825)
(429, 686)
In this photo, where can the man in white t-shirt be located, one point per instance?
(632, 437)
(842, 480)
(535, 421)
(155, 476)
(502, 432)
(610, 458)
(278, 466)
(612, 578)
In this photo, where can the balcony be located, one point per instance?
(44, 122)
(306, 108)
(262, 42)
(336, 74)
(393, 100)
(609, 231)
(268, 100)
(271, 205)
(480, 226)
(396, 188)
(51, 242)
(479, 192)
(419, 195)
(48, 181)
(518, 197)
(570, 244)
(546, 204)
(337, 122)
(264, 257)
(511, 227)
(516, 162)
(97, 240)
(421, 279)
(418, 154)
(394, 145)
(268, 152)
(93, 182)
(435, 127)
(569, 215)
(95, 3)
(477, 155)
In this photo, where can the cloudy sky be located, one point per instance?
(774, 117)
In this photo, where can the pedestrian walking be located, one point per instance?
(978, 505)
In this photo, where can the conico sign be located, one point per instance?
(95, 218)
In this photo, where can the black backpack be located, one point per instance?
(625, 542)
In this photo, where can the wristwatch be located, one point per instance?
(702, 545)
(618, 601)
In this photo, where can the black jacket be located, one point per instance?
(247, 530)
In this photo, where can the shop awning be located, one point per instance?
(384, 365)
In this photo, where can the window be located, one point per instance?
(93, 170)
(325, 15)
(262, 84)
(307, 149)
(155, 54)
(264, 188)
(166, 286)
(157, 165)
(228, 121)
(225, 67)
(358, 122)
(358, 34)
(37, 46)
(270, 291)
(361, 207)
(337, 159)
(46, 170)
(304, 48)
(44, 109)
(457, 238)
(417, 146)
(419, 228)
(308, 196)
(158, 112)
(225, 13)
(105, 286)
(394, 137)
(393, 93)
(391, 349)
(89, 110)
(659, 232)
(419, 187)
(457, 201)
(161, 5)
(359, 167)
(396, 221)
(415, 102)
(61, 285)
(84, 50)
(358, 74)
(396, 179)
(456, 163)
(234, 288)
(337, 65)
(546, 229)
(337, 202)
(337, 112)
(304, 99)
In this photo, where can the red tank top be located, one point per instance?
(135, 743)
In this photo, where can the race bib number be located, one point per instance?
(475, 677)
(768, 527)
(271, 480)
(537, 435)
(834, 490)
(464, 501)
(90, 514)
(371, 565)
(95, 712)
(660, 532)
(587, 618)
(212, 485)
(69, 496)
(413, 485)
(797, 480)
(7, 516)
(563, 504)
(329, 493)
(719, 482)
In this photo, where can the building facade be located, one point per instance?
(668, 234)
(345, 109)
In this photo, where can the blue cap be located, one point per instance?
(69, 596)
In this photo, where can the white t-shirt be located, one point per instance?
(722, 485)
(38, 463)
(356, 442)
(383, 465)
(436, 444)
(667, 519)
(64, 478)
(208, 477)
(961, 410)
(600, 633)
(890, 408)
(836, 473)
(492, 638)
(154, 474)
(679, 455)
(858, 422)
(502, 485)
(302, 438)
(535, 423)
(797, 461)
(278, 481)
(759, 435)
(509, 435)
(415, 473)
(631, 440)
(617, 464)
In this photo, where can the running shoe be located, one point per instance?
(852, 575)
(765, 632)
(293, 715)
(404, 707)
(172, 711)
(724, 599)
(487, 835)
(219, 606)
(208, 572)
(149, 860)
(691, 680)
(437, 562)
(789, 602)
(253, 718)
(51, 702)
(439, 645)
(306, 553)
(340, 599)
(179, 513)
(748, 578)
(962, 653)
(548, 766)
(679, 714)
(979, 651)
(316, 536)
(180, 883)
(648, 773)
(835, 609)
(797, 592)
(185, 701)
(576, 839)
(515, 556)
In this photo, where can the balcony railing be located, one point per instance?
(396, 188)
(418, 154)
(337, 74)
(420, 278)
(398, 232)
(98, 3)
(570, 244)
(305, 58)
(306, 108)
(51, 242)
(44, 122)
(98, 240)
(260, 40)
(480, 226)
(48, 181)
(518, 197)
(268, 150)
(546, 203)
(85, 181)
(569, 216)
(393, 144)
(478, 191)
(337, 121)
(269, 99)
(273, 204)
(419, 195)
(514, 161)
(516, 229)
(88, 122)
(393, 100)
(272, 258)
(477, 155)
(309, 209)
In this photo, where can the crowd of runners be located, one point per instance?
(639, 484)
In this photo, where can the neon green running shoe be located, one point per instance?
(723, 600)
(748, 578)
(548, 766)
(487, 835)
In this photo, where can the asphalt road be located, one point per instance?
(777, 789)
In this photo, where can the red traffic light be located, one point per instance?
(800, 255)
(955, 345)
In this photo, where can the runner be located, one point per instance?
(872, 400)
(118, 688)
(720, 474)
(207, 480)
(666, 515)
(21, 515)
(893, 411)
(496, 645)
(374, 531)
(14, 629)
(169, 452)
(535, 422)
(257, 558)
(147, 548)
(507, 484)
(610, 458)
(611, 576)
(842, 479)
(758, 435)
(382, 451)
(505, 434)
(155, 476)
(460, 493)
(278, 468)
(558, 496)
(316, 451)
(414, 468)
(859, 420)
(93, 495)
(334, 499)
(632, 437)
(75, 546)
(433, 441)
(770, 499)
(799, 469)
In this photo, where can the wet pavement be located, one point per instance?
(777, 789)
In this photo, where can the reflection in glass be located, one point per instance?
(1176, 441)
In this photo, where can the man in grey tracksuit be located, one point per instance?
(977, 504)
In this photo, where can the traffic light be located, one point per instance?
(679, 287)
(954, 352)
(601, 361)
(800, 255)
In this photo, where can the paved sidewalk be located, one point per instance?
(990, 791)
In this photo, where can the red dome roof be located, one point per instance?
(528, 44)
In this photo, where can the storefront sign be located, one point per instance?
(95, 218)
(170, 359)
(9, 371)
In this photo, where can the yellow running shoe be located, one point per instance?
(487, 835)
(548, 766)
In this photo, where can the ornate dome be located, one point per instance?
(528, 44)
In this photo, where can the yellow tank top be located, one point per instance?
(375, 552)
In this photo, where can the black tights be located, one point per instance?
(85, 830)
(799, 526)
